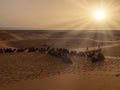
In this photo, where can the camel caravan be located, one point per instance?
(93, 55)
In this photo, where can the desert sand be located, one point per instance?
(35, 71)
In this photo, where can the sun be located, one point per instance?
(99, 15)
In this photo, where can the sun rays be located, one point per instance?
(93, 15)
(99, 17)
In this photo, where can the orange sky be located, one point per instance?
(57, 14)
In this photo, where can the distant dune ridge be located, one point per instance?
(80, 41)
(4, 35)
(41, 69)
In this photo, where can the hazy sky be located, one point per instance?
(58, 14)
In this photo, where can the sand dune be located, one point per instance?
(61, 42)
(35, 71)
(68, 82)
(112, 50)
(8, 36)
(108, 50)
(16, 67)
(16, 36)
(4, 44)
(46, 71)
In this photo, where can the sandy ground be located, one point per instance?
(68, 82)
(35, 71)
(24, 72)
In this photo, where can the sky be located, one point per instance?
(58, 14)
